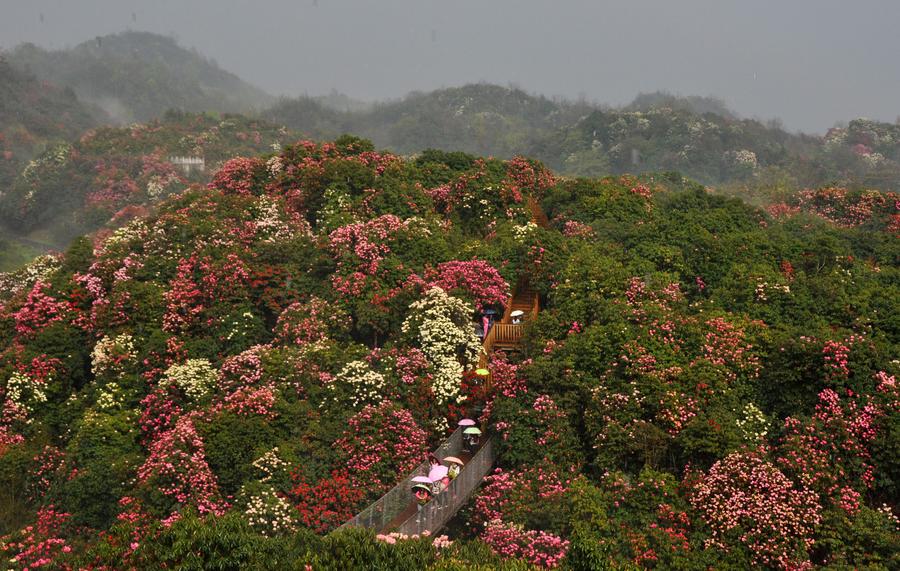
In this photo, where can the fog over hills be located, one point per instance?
(137, 76)
(767, 59)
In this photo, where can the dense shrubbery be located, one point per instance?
(215, 385)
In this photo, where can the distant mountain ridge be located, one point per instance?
(696, 136)
(138, 76)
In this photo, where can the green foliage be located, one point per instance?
(232, 443)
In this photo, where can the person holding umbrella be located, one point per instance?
(439, 478)
(454, 465)
(421, 493)
(472, 436)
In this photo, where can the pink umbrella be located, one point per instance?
(453, 459)
(467, 422)
(438, 472)
(422, 480)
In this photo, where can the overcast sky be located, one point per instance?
(809, 62)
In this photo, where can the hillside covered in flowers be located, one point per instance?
(222, 382)
(107, 175)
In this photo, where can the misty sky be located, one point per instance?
(809, 62)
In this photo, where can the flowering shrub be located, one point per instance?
(747, 501)
(268, 512)
(830, 453)
(381, 444)
(40, 269)
(528, 176)
(24, 392)
(514, 496)
(239, 175)
(310, 322)
(41, 544)
(196, 377)
(111, 354)
(478, 279)
(539, 548)
(271, 466)
(365, 386)
(441, 326)
(328, 503)
(177, 468)
(39, 310)
(535, 430)
(754, 425)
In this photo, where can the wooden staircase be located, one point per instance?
(506, 335)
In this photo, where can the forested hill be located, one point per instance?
(225, 380)
(34, 116)
(137, 76)
(477, 118)
(33, 113)
(111, 173)
(697, 136)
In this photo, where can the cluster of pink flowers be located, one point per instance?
(160, 411)
(638, 293)
(112, 187)
(247, 401)
(725, 346)
(575, 229)
(539, 548)
(237, 175)
(368, 241)
(830, 452)
(410, 364)
(135, 517)
(448, 196)
(506, 495)
(39, 310)
(677, 410)
(744, 498)
(304, 323)
(381, 444)
(781, 210)
(836, 355)
(848, 209)
(40, 544)
(184, 299)
(478, 278)
(888, 391)
(199, 284)
(642, 190)
(177, 467)
(506, 378)
(46, 467)
(525, 175)
(359, 249)
(242, 370)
